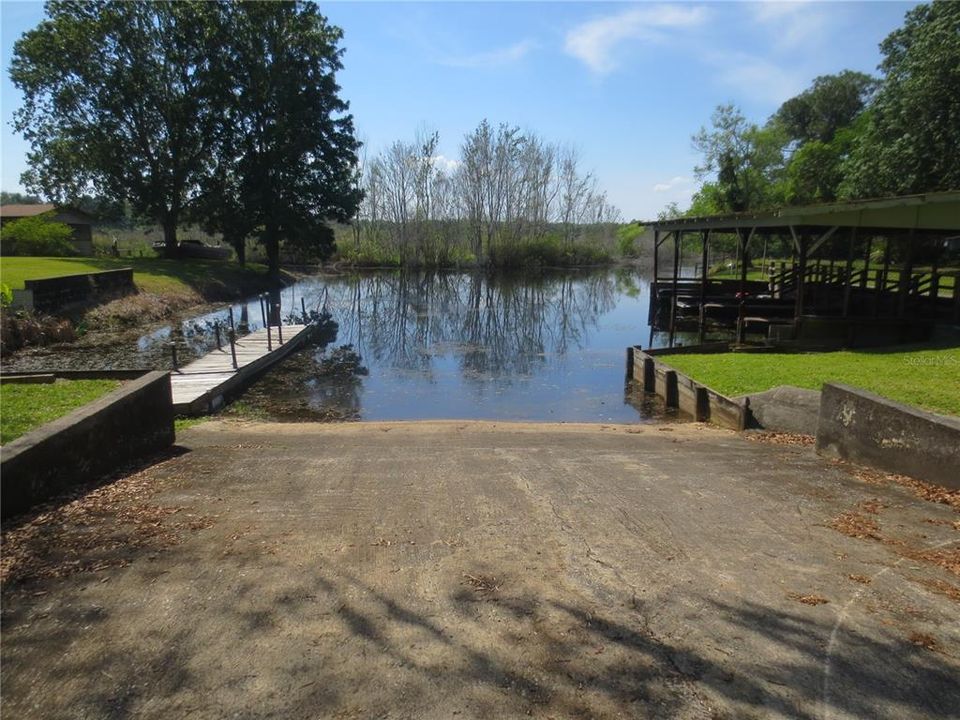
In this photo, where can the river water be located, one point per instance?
(547, 347)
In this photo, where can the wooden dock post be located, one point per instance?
(671, 393)
(677, 241)
(233, 339)
(303, 306)
(279, 325)
(216, 331)
(173, 356)
(649, 375)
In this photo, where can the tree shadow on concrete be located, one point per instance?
(328, 642)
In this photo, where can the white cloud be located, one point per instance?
(796, 23)
(755, 77)
(448, 164)
(595, 42)
(676, 183)
(492, 58)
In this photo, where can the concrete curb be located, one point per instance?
(113, 431)
(868, 429)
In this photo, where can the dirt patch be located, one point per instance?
(135, 310)
(862, 579)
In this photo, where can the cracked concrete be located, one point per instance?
(490, 570)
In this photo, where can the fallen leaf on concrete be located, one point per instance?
(873, 506)
(780, 438)
(947, 558)
(940, 587)
(808, 599)
(923, 640)
(853, 524)
(101, 527)
(923, 490)
(483, 584)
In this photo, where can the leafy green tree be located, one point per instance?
(833, 102)
(287, 152)
(745, 159)
(122, 99)
(37, 235)
(815, 171)
(912, 141)
(15, 198)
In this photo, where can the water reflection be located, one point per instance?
(496, 327)
(469, 345)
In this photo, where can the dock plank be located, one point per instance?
(198, 387)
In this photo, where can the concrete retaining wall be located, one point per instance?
(785, 409)
(50, 294)
(115, 430)
(864, 428)
(684, 393)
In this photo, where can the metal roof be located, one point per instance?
(930, 211)
(17, 211)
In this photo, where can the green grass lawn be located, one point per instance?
(928, 378)
(154, 275)
(24, 407)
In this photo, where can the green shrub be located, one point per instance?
(6, 295)
(627, 239)
(37, 236)
(547, 251)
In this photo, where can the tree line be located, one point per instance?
(849, 135)
(508, 197)
(220, 113)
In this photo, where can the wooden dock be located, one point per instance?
(201, 386)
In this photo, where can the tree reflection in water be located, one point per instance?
(549, 346)
(496, 325)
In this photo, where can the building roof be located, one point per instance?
(930, 211)
(17, 211)
(62, 213)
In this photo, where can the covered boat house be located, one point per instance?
(853, 273)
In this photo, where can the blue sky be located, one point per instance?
(625, 83)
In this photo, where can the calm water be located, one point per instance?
(548, 347)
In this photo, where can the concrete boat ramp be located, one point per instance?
(477, 570)
(200, 387)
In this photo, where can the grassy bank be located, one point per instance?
(927, 378)
(210, 279)
(24, 407)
